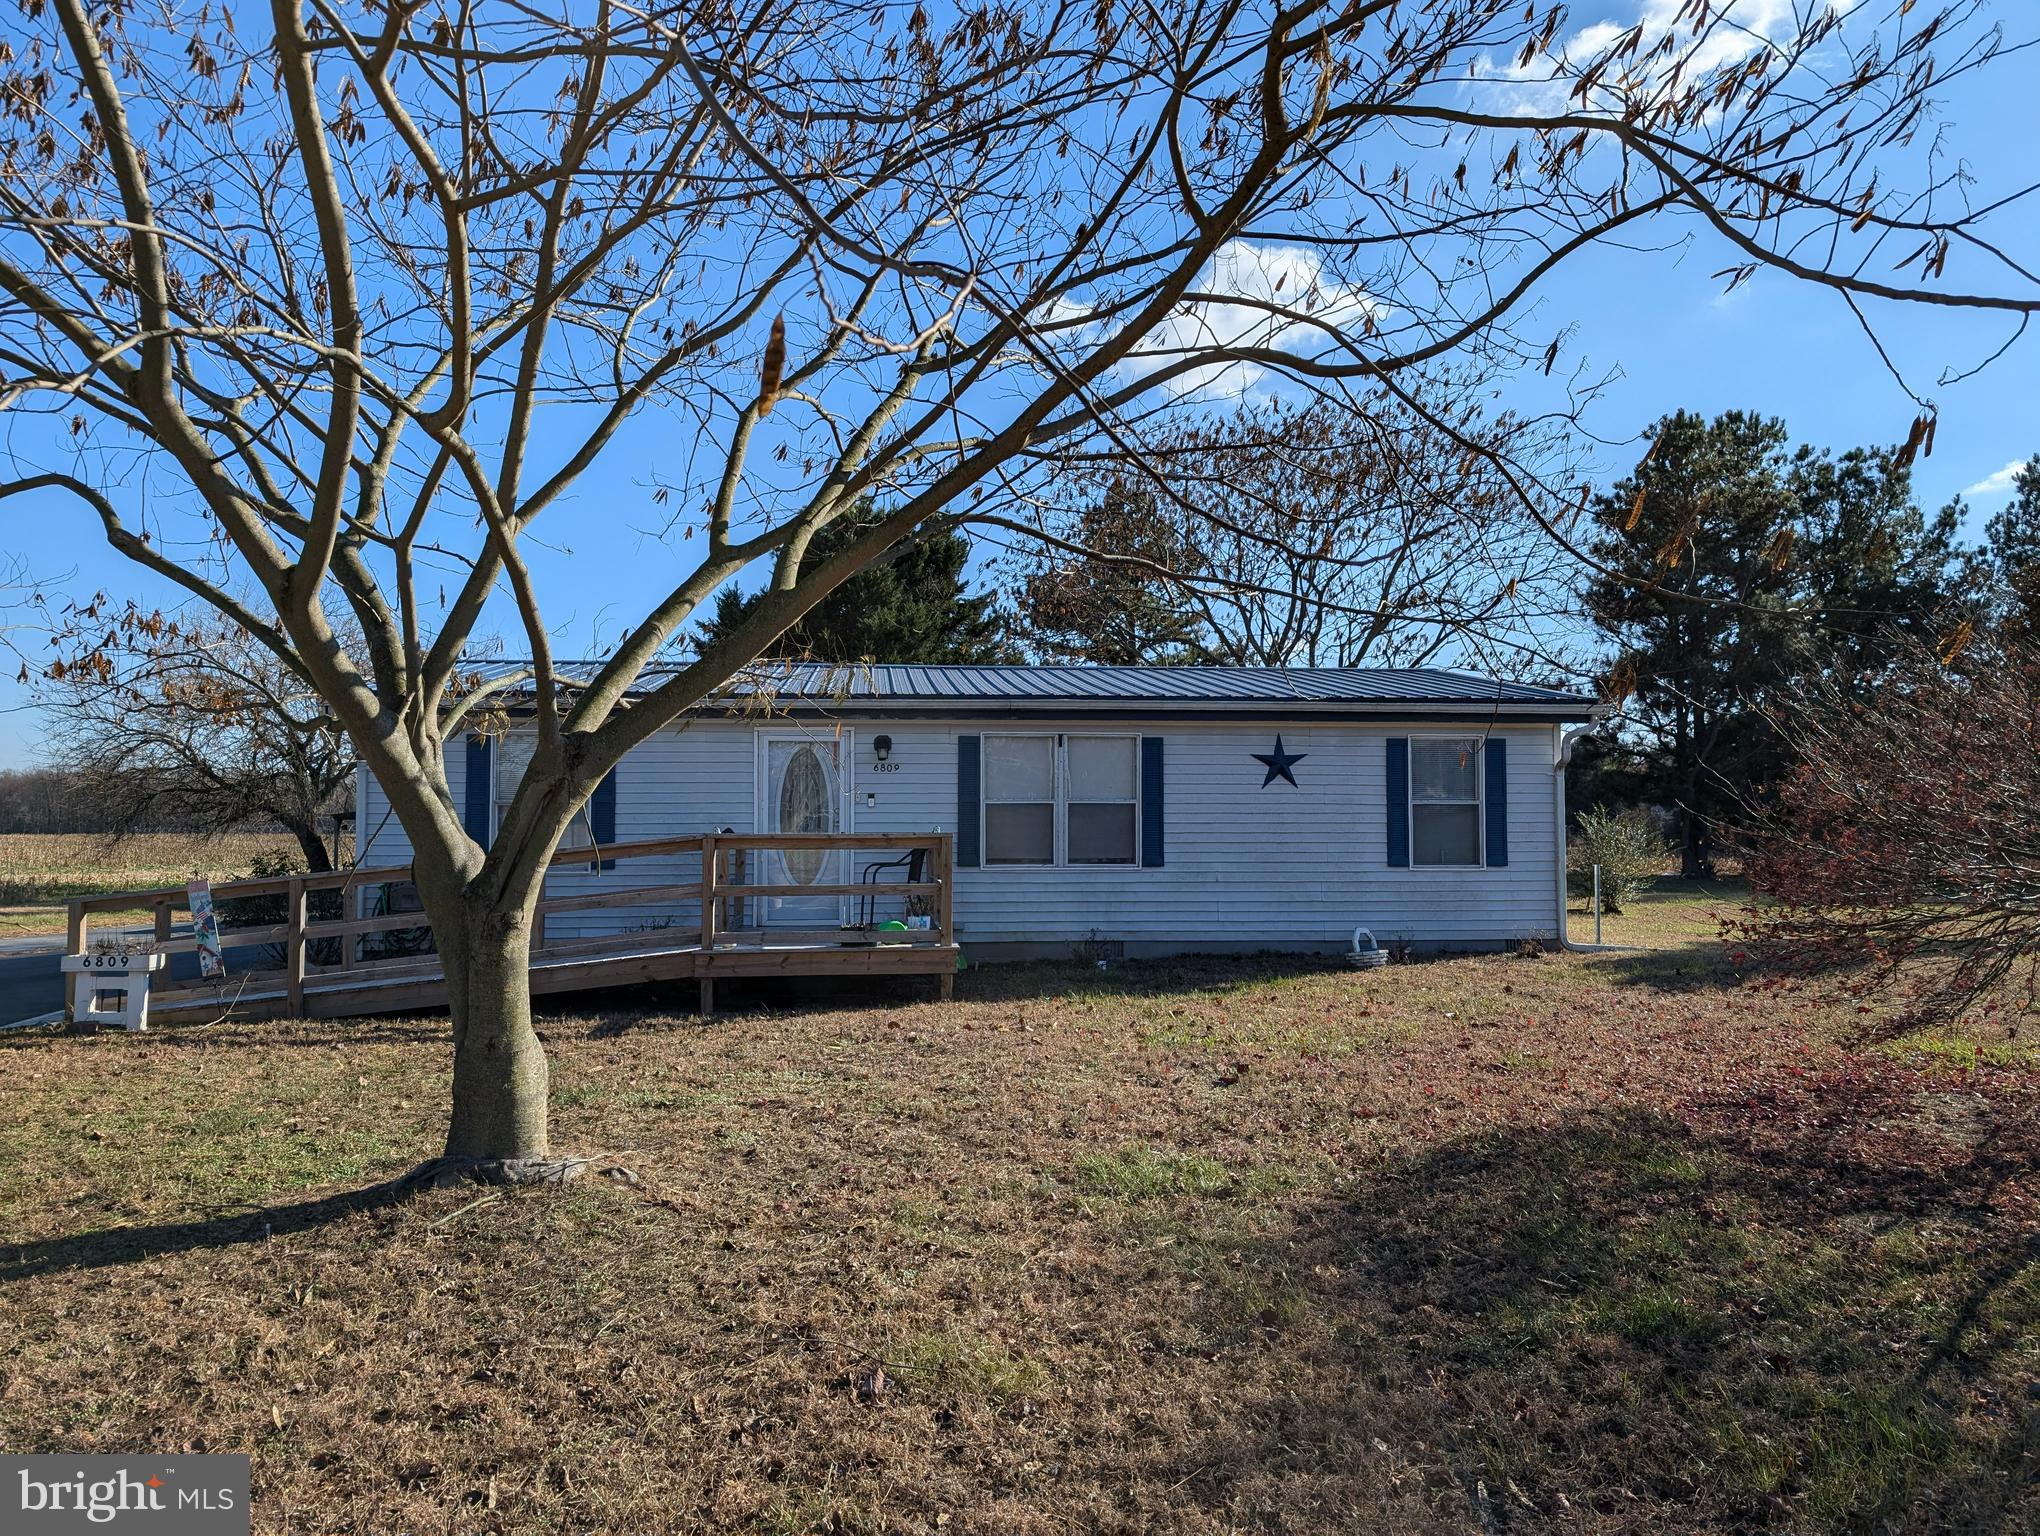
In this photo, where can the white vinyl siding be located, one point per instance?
(1245, 866)
(1248, 866)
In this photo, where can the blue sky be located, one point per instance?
(1657, 318)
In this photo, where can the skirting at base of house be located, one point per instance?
(1001, 951)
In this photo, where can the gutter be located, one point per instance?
(1568, 739)
(1372, 711)
(1046, 710)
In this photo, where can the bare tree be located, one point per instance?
(189, 722)
(317, 285)
(1902, 847)
(24, 613)
(43, 800)
(1318, 534)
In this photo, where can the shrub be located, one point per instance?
(1907, 834)
(1625, 843)
(253, 911)
(328, 905)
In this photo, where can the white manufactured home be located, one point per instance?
(1144, 810)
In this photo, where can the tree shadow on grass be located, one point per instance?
(114, 1246)
(659, 1003)
(1709, 965)
(1621, 1321)
(322, 1035)
(1037, 980)
(1700, 966)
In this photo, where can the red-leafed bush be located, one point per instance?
(1906, 845)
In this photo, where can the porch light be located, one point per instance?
(882, 745)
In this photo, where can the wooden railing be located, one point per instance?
(726, 895)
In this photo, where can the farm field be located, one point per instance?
(1615, 1243)
(39, 871)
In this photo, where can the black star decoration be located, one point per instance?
(1279, 763)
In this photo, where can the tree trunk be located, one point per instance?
(317, 860)
(482, 915)
(1696, 855)
(499, 1068)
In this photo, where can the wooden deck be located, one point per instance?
(731, 939)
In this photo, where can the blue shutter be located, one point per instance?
(969, 791)
(1151, 842)
(478, 814)
(602, 815)
(1495, 780)
(1399, 802)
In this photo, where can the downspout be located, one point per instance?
(1568, 739)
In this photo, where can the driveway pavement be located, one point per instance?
(32, 944)
(31, 983)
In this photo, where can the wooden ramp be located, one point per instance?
(369, 951)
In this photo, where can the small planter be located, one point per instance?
(1368, 957)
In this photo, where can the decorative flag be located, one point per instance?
(205, 927)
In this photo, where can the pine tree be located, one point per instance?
(2011, 555)
(1111, 612)
(1737, 570)
(1868, 564)
(910, 607)
(1698, 540)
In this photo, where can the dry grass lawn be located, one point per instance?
(40, 871)
(1564, 1244)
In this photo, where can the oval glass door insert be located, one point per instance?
(804, 807)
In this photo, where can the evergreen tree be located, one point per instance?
(909, 607)
(1697, 540)
(1868, 564)
(1737, 569)
(1105, 611)
(2008, 565)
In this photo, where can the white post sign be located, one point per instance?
(112, 987)
(205, 927)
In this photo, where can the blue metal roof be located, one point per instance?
(1177, 691)
(1152, 685)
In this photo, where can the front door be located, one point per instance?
(801, 789)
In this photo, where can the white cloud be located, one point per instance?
(1736, 31)
(1999, 484)
(1291, 277)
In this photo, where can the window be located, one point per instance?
(806, 804)
(1061, 800)
(1019, 799)
(512, 755)
(1102, 806)
(1445, 800)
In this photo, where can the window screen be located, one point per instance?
(1445, 800)
(512, 756)
(1102, 810)
(1019, 799)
